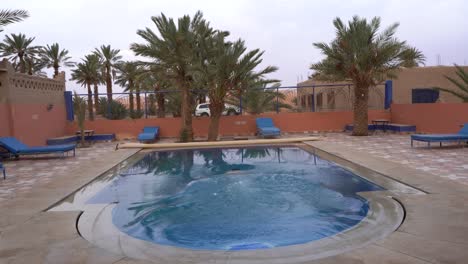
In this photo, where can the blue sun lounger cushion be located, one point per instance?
(461, 136)
(17, 148)
(266, 128)
(149, 134)
(3, 170)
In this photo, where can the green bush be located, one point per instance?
(115, 111)
(135, 114)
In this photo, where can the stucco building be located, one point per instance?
(32, 108)
(413, 85)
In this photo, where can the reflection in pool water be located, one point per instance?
(235, 199)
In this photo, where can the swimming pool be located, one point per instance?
(235, 199)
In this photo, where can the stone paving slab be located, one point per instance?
(30, 235)
(435, 229)
(448, 162)
(436, 226)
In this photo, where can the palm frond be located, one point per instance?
(11, 16)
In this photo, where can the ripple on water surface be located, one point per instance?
(235, 199)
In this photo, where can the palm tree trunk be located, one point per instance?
(90, 103)
(108, 83)
(160, 101)
(131, 99)
(96, 96)
(361, 98)
(186, 131)
(22, 63)
(138, 100)
(56, 70)
(202, 99)
(30, 67)
(216, 109)
(131, 104)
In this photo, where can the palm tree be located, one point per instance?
(18, 48)
(462, 85)
(53, 57)
(34, 66)
(174, 51)
(140, 81)
(156, 80)
(84, 74)
(79, 106)
(109, 57)
(11, 16)
(96, 65)
(259, 99)
(126, 77)
(228, 68)
(361, 54)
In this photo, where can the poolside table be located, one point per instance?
(85, 132)
(383, 122)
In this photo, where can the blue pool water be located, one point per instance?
(235, 199)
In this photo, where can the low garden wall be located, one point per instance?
(431, 118)
(229, 125)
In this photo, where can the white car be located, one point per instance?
(204, 110)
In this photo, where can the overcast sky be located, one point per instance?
(285, 30)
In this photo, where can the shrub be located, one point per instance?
(115, 111)
(135, 114)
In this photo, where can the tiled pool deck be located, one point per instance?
(435, 229)
(449, 161)
(446, 162)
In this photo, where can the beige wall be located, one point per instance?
(407, 80)
(424, 77)
(338, 97)
(24, 101)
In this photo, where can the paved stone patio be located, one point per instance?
(25, 173)
(449, 161)
(435, 229)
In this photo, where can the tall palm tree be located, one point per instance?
(154, 80)
(127, 74)
(79, 106)
(18, 48)
(258, 99)
(109, 57)
(228, 68)
(97, 77)
(34, 66)
(53, 57)
(174, 51)
(361, 54)
(11, 16)
(84, 74)
(461, 84)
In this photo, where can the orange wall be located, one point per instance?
(5, 129)
(33, 124)
(431, 118)
(229, 125)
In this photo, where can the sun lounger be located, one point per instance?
(149, 134)
(3, 170)
(266, 128)
(460, 137)
(17, 148)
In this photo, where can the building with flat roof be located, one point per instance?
(413, 85)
